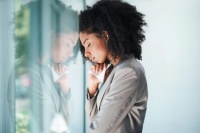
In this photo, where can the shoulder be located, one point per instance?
(130, 66)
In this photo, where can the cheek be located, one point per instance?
(102, 50)
(56, 54)
(101, 54)
(62, 52)
(53, 56)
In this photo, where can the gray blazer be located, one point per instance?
(120, 105)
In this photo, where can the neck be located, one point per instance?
(115, 61)
(44, 60)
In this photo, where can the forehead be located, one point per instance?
(63, 37)
(73, 35)
(85, 36)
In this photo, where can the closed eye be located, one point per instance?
(89, 45)
(68, 45)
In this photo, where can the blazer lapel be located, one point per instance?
(105, 87)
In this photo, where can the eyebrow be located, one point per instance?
(72, 41)
(85, 41)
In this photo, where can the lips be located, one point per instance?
(92, 59)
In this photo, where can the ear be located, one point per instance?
(105, 35)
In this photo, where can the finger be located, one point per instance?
(97, 68)
(101, 68)
(92, 68)
(59, 68)
(104, 65)
(64, 68)
(55, 68)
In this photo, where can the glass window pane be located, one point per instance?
(49, 72)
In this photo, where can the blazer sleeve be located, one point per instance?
(66, 107)
(91, 105)
(117, 103)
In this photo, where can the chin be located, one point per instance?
(100, 62)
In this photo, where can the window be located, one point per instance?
(32, 98)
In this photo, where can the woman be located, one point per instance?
(111, 32)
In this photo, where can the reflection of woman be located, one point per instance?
(50, 92)
(49, 96)
(62, 50)
(111, 31)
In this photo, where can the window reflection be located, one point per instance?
(47, 53)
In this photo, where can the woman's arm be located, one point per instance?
(92, 91)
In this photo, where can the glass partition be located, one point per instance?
(46, 89)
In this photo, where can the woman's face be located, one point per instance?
(95, 48)
(62, 48)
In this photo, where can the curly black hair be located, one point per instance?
(122, 22)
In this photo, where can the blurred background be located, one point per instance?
(170, 58)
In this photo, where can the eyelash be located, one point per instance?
(88, 44)
(67, 44)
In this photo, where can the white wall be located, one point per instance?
(170, 57)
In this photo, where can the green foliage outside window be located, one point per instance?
(22, 22)
(22, 122)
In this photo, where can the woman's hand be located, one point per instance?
(63, 81)
(93, 81)
(59, 68)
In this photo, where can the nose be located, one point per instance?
(87, 54)
(70, 53)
